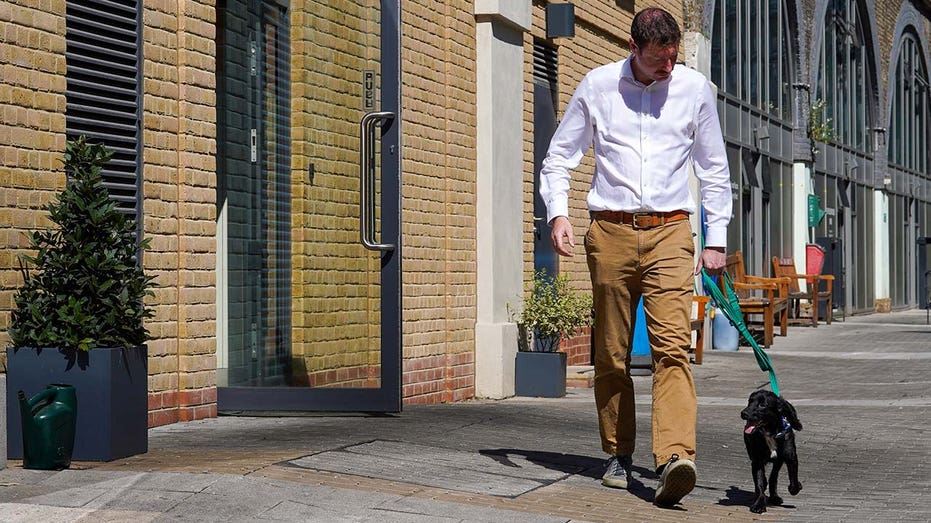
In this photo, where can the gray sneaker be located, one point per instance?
(618, 472)
(675, 481)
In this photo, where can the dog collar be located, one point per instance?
(786, 428)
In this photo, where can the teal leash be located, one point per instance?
(727, 302)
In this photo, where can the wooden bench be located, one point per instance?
(757, 295)
(698, 325)
(814, 292)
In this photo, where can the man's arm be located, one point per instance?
(571, 140)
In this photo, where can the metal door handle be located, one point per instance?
(367, 180)
(537, 221)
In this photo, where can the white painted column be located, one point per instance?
(499, 34)
(801, 187)
(881, 246)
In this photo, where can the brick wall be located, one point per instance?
(335, 286)
(32, 130)
(886, 15)
(578, 349)
(179, 179)
(438, 103)
(180, 207)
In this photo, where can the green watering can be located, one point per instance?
(48, 427)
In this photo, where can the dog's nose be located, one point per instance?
(743, 414)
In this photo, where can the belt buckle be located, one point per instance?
(646, 215)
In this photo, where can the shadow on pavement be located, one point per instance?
(568, 463)
(586, 466)
(737, 497)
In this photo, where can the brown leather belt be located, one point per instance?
(640, 220)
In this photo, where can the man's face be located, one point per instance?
(653, 62)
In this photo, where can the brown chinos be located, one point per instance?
(656, 263)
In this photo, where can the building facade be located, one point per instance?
(825, 99)
(341, 195)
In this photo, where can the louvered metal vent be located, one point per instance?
(103, 77)
(545, 62)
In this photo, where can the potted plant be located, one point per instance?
(78, 318)
(553, 312)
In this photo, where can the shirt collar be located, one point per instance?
(627, 70)
(627, 73)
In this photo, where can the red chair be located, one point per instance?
(814, 260)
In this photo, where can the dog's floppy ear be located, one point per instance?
(787, 410)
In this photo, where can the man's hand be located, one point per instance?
(713, 260)
(562, 229)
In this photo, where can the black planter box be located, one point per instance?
(112, 393)
(540, 374)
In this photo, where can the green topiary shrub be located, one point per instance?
(83, 287)
(553, 312)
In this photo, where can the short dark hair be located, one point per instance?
(654, 26)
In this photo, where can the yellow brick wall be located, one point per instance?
(178, 187)
(179, 184)
(32, 130)
(335, 316)
(438, 105)
(336, 292)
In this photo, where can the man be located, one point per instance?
(648, 119)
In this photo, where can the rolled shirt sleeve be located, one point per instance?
(570, 142)
(710, 161)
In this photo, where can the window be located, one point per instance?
(750, 56)
(845, 80)
(909, 139)
(103, 99)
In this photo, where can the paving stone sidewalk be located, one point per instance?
(861, 388)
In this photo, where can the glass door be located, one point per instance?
(308, 207)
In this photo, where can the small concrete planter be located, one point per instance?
(112, 394)
(540, 374)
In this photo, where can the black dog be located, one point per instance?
(769, 437)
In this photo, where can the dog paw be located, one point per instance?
(758, 508)
(775, 500)
(795, 488)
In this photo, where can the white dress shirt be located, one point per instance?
(644, 137)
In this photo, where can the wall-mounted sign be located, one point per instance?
(814, 210)
(368, 90)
